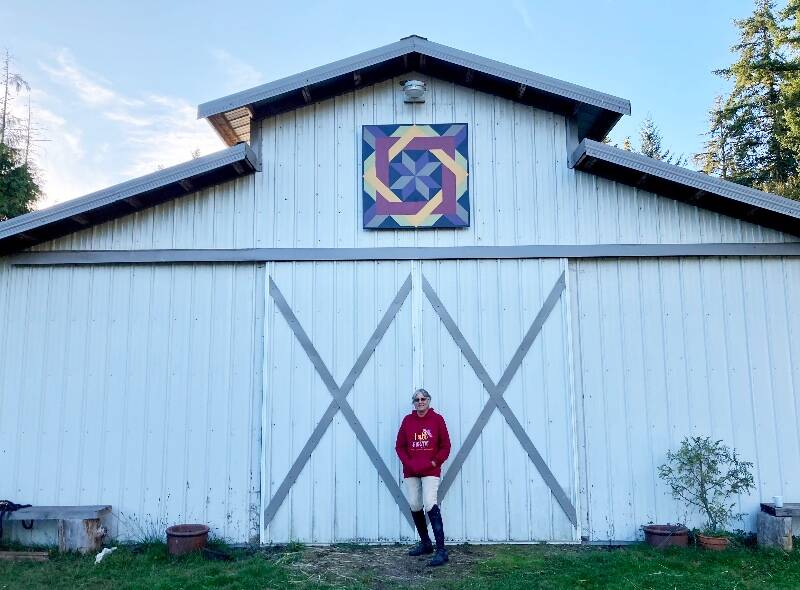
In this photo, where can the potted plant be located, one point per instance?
(708, 475)
(662, 536)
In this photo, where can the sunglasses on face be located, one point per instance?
(418, 400)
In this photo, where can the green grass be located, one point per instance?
(147, 566)
(500, 567)
(636, 567)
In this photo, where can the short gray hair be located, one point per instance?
(424, 393)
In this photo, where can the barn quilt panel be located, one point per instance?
(415, 176)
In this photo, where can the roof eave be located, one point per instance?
(694, 188)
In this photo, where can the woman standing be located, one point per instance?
(423, 444)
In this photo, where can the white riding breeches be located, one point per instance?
(422, 492)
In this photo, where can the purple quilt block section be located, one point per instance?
(415, 176)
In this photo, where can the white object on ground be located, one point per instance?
(99, 557)
(778, 500)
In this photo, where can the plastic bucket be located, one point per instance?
(185, 538)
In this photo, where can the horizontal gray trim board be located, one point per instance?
(125, 198)
(695, 188)
(596, 112)
(423, 253)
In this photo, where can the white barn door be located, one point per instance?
(496, 358)
(346, 343)
(338, 377)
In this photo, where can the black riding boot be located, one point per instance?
(435, 517)
(424, 546)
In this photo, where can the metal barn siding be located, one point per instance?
(308, 192)
(675, 347)
(137, 386)
(498, 494)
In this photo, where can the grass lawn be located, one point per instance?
(471, 567)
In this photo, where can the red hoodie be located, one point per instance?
(420, 441)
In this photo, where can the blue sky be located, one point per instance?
(115, 85)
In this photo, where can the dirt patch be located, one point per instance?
(382, 567)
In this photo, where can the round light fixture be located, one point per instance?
(414, 90)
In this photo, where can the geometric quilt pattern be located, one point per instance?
(415, 176)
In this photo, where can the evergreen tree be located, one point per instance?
(716, 158)
(791, 90)
(748, 132)
(650, 143)
(18, 187)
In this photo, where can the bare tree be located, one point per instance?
(11, 81)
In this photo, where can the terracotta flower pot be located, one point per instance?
(713, 543)
(666, 535)
(185, 538)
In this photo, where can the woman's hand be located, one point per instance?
(433, 462)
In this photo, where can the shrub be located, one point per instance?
(707, 475)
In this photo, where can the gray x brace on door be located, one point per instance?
(340, 393)
(339, 402)
(496, 392)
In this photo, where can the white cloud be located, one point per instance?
(171, 138)
(110, 136)
(63, 169)
(56, 148)
(240, 74)
(521, 8)
(90, 88)
(127, 118)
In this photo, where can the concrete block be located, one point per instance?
(774, 531)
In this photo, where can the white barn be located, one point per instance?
(224, 342)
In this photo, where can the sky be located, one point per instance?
(115, 85)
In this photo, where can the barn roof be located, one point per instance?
(688, 186)
(595, 112)
(128, 197)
